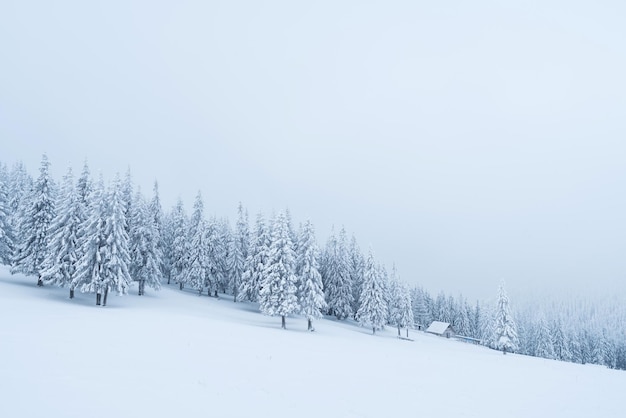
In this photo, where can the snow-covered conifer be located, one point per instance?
(505, 330)
(311, 292)
(197, 268)
(127, 199)
(144, 253)
(238, 251)
(277, 295)
(6, 229)
(543, 340)
(400, 307)
(336, 277)
(65, 234)
(356, 265)
(179, 240)
(255, 262)
(421, 307)
(90, 267)
(155, 211)
(373, 310)
(32, 248)
(115, 274)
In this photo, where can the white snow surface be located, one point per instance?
(175, 354)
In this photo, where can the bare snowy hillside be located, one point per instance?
(174, 354)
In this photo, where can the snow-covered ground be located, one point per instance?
(174, 354)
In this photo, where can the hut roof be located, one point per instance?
(438, 327)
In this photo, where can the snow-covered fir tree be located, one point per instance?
(178, 236)
(65, 235)
(32, 248)
(238, 251)
(20, 187)
(255, 262)
(421, 307)
(6, 229)
(197, 268)
(127, 198)
(277, 295)
(400, 308)
(155, 211)
(505, 330)
(144, 252)
(543, 340)
(356, 265)
(311, 292)
(373, 310)
(91, 265)
(336, 277)
(218, 241)
(115, 274)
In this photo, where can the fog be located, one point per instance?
(466, 142)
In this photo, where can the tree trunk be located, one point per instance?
(283, 322)
(39, 281)
(98, 296)
(106, 293)
(169, 278)
(215, 294)
(373, 330)
(407, 332)
(199, 292)
(181, 285)
(310, 325)
(71, 293)
(399, 331)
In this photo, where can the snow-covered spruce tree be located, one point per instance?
(84, 187)
(219, 247)
(277, 295)
(462, 319)
(401, 310)
(255, 262)
(357, 263)
(421, 307)
(179, 237)
(91, 265)
(20, 187)
(336, 278)
(33, 240)
(115, 275)
(197, 268)
(505, 330)
(65, 234)
(144, 252)
(155, 211)
(560, 341)
(311, 292)
(6, 229)
(238, 251)
(543, 339)
(127, 199)
(373, 310)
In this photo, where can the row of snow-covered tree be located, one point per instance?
(85, 235)
(97, 238)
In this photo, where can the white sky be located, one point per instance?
(466, 141)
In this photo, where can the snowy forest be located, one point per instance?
(96, 237)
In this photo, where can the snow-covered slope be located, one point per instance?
(174, 354)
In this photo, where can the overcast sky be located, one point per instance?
(466, 141)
